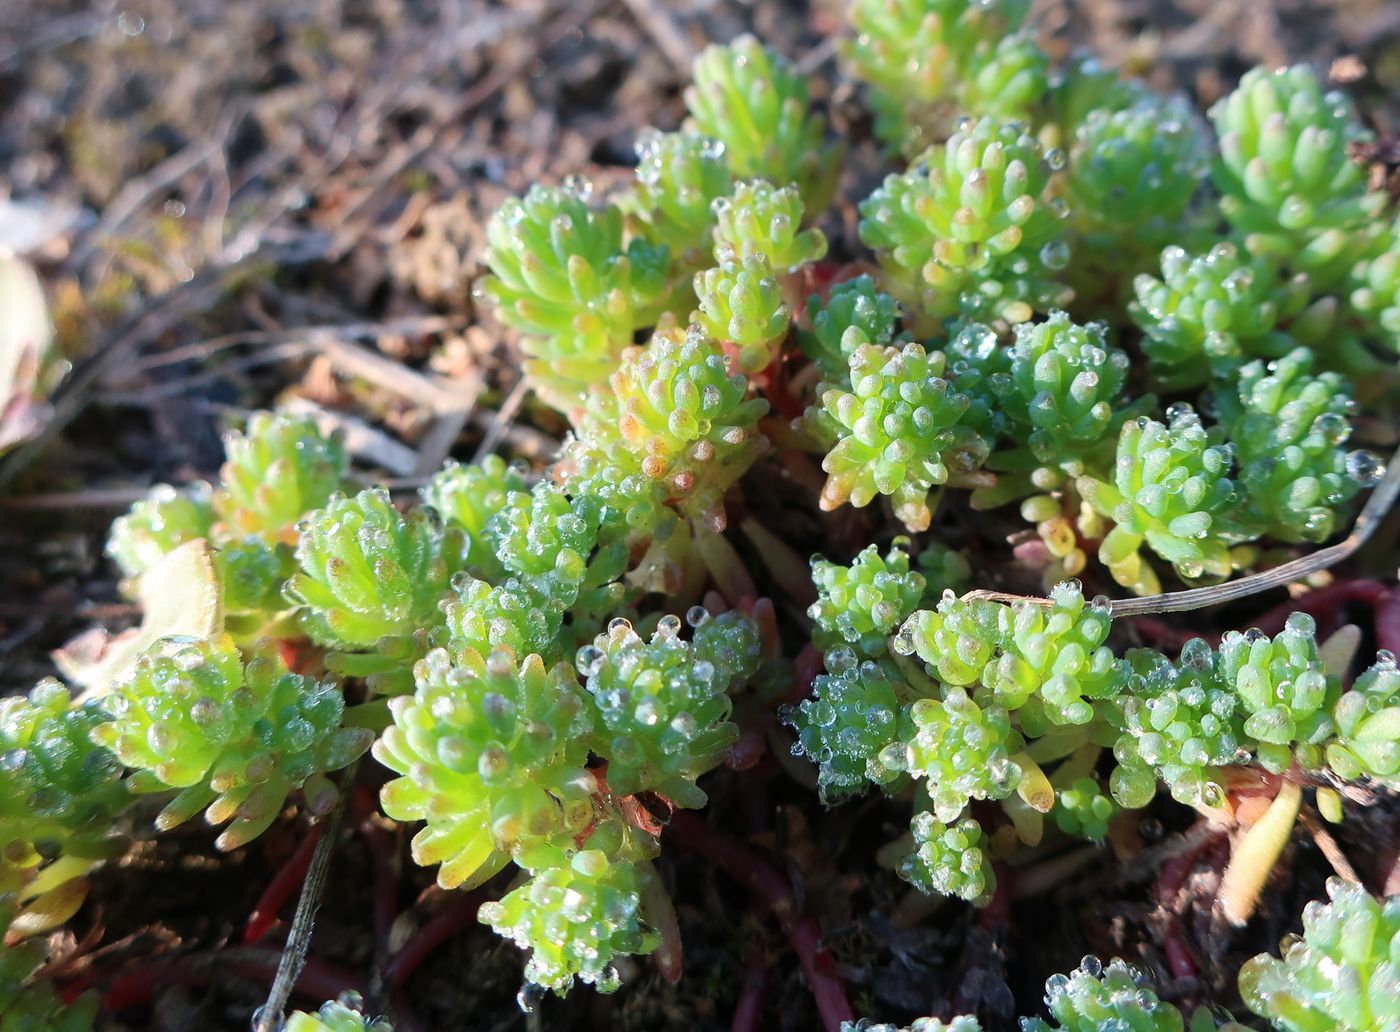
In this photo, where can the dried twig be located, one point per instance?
(660, 24)
(269, 1017)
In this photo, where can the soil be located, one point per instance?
(241, 204)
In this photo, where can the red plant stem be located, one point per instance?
(1162, 634)
(739, 861)
(748, 1012)
(318, 980)
(1321, 601)
(1388, 622)
(452, 921)
(284, 883)
(1178, 956)
(820, 971)
(748, 750)
(1170, 880)
(746, 866)
(386, 883)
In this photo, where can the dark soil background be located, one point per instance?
(238, 204)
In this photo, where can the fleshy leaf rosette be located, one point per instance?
(467, 496)
(541, 537)
(971, 229)
(1177, 721)
(236, 737)
(562, 275)
(1095, 998)
(1286, 176)
(663, 710)
(957, 639)
(1368, 726)
(60, 794)
(1173, 491)
(927, 60)
(754, 101)
(741, 302)
(1289, 427)
(679, 177)
(1048, 663)
(1130, 181)
(1286, 695)
(1053, 663)
(578, 913)
(277, 470)
(846, 726)
(371, 580)
(961, 750)
(679, 419)
(1340, 974)
(1373, 291)
(490, 753)
(758, 218)
(1083, 809)
(1209, 313)
(1059, 395)
(898, 432)
(949, 860)
(860, 605)
(157, 524)
(855, 312)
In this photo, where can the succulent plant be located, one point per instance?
(949, 860)
(277, 470)
(1209, 313)
(757, 218)
(679, 178)
(60, 792)
(467, 496)
(157, 524)
(1172, 490)
(234, 735)
(855, 313)
(754, 101)
(490, 753)
(562, 275)
(860, 605)
(1286, 177)
(367, 572)
(1289, 427)
(1059, 392)
(679, 419)
(852, 717)
(971, 228)
(898, 432)
(575, 916)
(663, 712)
(1130, 180)
(1095, 997)
(741, 302)
(1366, 717)
(961, 750)
(1284, 691)
(1178, 723)
(1339, 974)
(926, 61)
